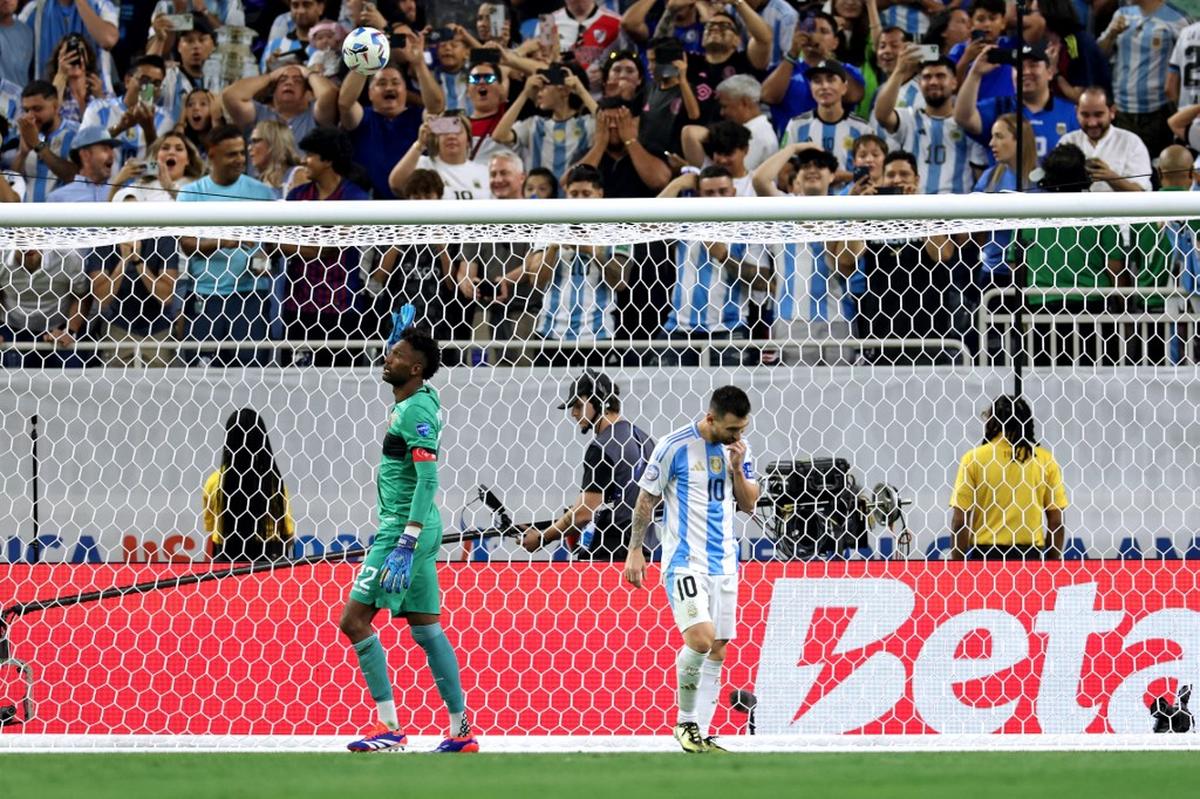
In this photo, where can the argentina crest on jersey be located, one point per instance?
(716, 464)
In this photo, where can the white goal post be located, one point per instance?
(856, 628)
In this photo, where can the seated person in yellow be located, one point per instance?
(1003, 489)
(246, 507)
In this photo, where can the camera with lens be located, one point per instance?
(817, 508)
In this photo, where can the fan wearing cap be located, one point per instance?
(944, 151)
(1050, 117)
(93, 151)
(829, 125)
(611, 468)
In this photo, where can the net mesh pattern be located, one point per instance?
(869, 351)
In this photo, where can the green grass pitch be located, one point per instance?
(1013, 775)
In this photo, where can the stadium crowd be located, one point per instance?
(200, 100)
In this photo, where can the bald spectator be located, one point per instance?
(1117, 160)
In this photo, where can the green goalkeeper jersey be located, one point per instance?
(407, 478)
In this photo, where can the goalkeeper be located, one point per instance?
(399, 573)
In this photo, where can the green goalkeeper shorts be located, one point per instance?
(423, 594)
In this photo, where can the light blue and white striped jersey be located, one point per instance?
(837, 138)
(1143, 52)
(51, 21)
(454, 86)
(108, 111)
(908, 18)
(579, 304)
(542, 142)
(229, 12)
(282, 37)
(808, 287)
(39, 180)
(944, 151)
(707, 297)
(175, 88)
(1185, 61)
(1183, 261)
(781, 18)
(693, 478)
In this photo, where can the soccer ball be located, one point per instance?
(365, 50)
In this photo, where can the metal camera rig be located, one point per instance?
(816, 509)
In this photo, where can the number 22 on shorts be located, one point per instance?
(366, 578)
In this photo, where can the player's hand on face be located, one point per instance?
(737, 455)
(635, 568)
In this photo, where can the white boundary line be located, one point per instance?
(562, 744)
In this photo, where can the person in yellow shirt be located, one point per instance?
(1003, 490)
(246, 506)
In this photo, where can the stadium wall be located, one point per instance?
(123, 455)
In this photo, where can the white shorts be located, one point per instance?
(697, 598)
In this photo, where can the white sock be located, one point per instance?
(687, 670)
(706, 694)
(387, 714)
(459, 726)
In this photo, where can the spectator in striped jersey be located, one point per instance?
(450, 70)
(829, 125)
(942, 147)
(559, 139)
(580, 281)
(186, 74)
(812, 299)
(135, 119)
(1143, 34)
(288, 43)
(43, 154)
(719, 287)
(912, 16)
(786, 89)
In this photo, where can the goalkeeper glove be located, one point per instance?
(397, 569)
(400, 320)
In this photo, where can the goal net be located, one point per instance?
(870, 334)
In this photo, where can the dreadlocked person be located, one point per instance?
(1003, 488)
(246, 507)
